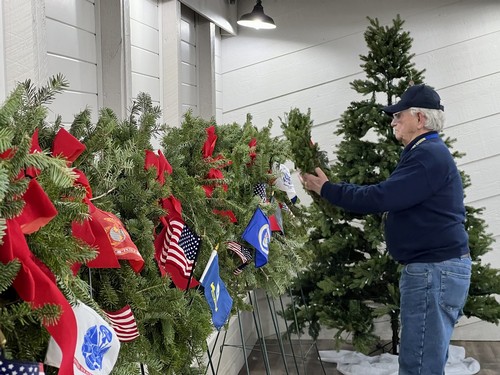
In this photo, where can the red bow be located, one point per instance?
(209, 145)
(173, 207)
(35, 284)
(67, 146)
(253, 146)
(160, 163)
(227, 213)
(215, 173)
(38, 209)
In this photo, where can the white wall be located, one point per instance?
(189, 62)
(145, 48)
(72, 49)
(3, 89)
(24, 44)
(311, 57)
(219, 104)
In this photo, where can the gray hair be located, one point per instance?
(434, 118)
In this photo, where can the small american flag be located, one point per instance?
(240, 250)
(180, 246)
(243, 253)
(260, 190)
(124, 324)
(12, 367)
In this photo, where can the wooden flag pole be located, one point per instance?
(3, 340)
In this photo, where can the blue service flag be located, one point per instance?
(258, 234)
(217, 296)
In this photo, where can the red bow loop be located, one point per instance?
(67, 145)
(35, 147)
(253, 146)
(83, 181)
(38, 209)
(163, 163)
(160, 163)
(173, 207)
(209, 145)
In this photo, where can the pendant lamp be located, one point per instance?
(257, 19)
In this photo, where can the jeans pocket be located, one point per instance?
(454, 290)
(417, 269)
(414, 279)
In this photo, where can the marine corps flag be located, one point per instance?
(258, 234)
(104, 231)
(217, 296)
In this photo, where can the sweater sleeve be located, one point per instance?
(407, 186)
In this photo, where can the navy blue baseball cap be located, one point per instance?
(420, 96)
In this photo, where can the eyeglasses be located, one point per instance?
(397, 116)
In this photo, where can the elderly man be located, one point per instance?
(424, 228)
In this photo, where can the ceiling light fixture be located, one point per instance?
(257, 19)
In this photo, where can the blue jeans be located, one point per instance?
(432, 298)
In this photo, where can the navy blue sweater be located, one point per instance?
(423, 199)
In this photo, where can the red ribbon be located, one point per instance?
(160, 163)
(67, 146)
(38, 209)
(215, 173)
(35, 284)
(253, 146)
(209, 145)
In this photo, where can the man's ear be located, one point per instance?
(421, 120)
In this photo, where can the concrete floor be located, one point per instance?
(302, 358)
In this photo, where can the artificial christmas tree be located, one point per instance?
(353, 280)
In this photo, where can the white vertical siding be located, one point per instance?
(218, 76)
(313, 55)
(266, 73)
(189, 62)
(145, 48)
(3, 87)
(72, 51)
